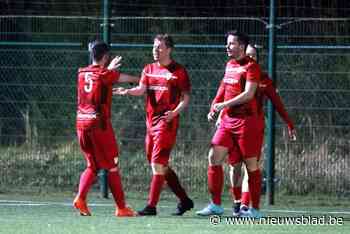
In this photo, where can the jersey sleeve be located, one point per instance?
(265, 81)
(184, 81)
(112, 77)
(253, 73)
(220, 95)
(271, 93)
(144, 77)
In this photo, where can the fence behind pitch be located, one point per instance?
(40, 57)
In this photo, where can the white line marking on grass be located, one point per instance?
(22, 204)
(34, 203)
(306, 211)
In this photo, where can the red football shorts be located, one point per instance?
(242, 136)
(159, 142)
(99, 147)
(235, 155)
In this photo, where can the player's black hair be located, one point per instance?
(242, 38)
(168, 40)
(98, 49)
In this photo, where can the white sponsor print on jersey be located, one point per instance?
(235, 70)
(230, 81)
(231, 72)
(165, 75)
(87, 116)
(158, 88)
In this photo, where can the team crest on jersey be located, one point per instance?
(170, 76)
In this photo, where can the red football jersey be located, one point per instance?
(264, 84)
(94, 96)
(266, 89)
(233, 83)
(164, 87)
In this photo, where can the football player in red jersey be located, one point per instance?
(238, 127)
(265, 90)
(168, 87)
(94, 128)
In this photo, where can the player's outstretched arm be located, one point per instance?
(276, 100)
(136, 91)
(125, 78)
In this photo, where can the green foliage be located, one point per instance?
(29, 166)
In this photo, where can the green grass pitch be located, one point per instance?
(47, 214)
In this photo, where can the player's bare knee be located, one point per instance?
(252, 164)
(158, 169)
(217, 155)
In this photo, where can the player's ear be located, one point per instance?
(243, 47)
(106, 59)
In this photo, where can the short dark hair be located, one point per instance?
(242, 38)
(168, 40)
(98, 49)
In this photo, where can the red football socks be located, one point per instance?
(174, 184)
(215, 183)
(115, 184)
(245, 198)
(87, 178)
(236, 193)
(254, 183)
(155, 190)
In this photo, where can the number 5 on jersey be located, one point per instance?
(88, 82)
